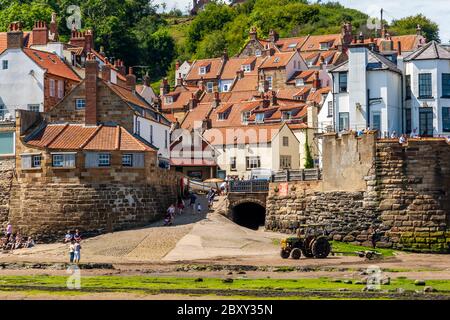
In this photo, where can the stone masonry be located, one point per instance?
(6, 178)
(406, 198)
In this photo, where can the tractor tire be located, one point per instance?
(285, 254)
(307, 247)
(321, 248)
(296, 254)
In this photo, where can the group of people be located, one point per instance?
(194, 205)
(74, 242)
(13, 241)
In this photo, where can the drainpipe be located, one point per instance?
(333, 93)
(368, 108)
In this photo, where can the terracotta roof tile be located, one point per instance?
(313, 42)
(214, 68)
(278, 60)
(79, 137)
(289, 44)
(242, 134)
(52, 63)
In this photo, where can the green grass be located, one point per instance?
(348, 249)
(141, 283)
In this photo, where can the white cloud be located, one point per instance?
(436, 10)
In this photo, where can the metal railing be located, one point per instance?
(297, 175)
(251, 186)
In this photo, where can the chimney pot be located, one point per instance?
(131, 80)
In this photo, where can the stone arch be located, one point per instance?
(249, 213)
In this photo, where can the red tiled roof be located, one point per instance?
(129, 96)
(80, 137)
(213, 71)
(52, 63)
(313, 42)
(242, 134)
(278, 60)
(287, 44)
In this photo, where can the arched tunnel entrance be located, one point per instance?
(250, 215)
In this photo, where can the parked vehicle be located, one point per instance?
(312, 244)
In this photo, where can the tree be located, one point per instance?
(309, 161)
(212, 45)
(409, 24)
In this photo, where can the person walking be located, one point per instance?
(180, 206)
(170, 214)
(72, 251)
(193, 198)
(77, 252)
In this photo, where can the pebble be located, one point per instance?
(429, 289)
(419, 283)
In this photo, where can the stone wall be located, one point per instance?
(6, 178)
(406, 198)
(46, 211)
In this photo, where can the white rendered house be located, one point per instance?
(366, 93)
(427, 82)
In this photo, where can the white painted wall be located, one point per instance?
(161, 134)
(224, 83)
(52, 47)
(19, 88)
(436, 68)
(292, 67)
(184, 70)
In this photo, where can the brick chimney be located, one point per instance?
(88, 40)
(240, 74)
(225, 55)
(146, 80)
(106, 72)
(216, 102)
(274, 98)
(316, 81)
(14, 37)
(201, 85)
(179, 80)
(164, 88)
(40, 33)
(253, 33)
(91, 90)
(118, 64)
(192, 102)
(131, 80)
(273, 36)
(76, 38)
(399, 48)
(346, 33)
(419, 30)
(53, 34)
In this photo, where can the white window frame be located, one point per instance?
(169, 100)
(269, 79)
(60, 89)
(68, 160)
(299, 82)
(246, 68)
(58, 163)
(36, 161)
(226, 88)
(258, 53)
(259, 117)
(324, 46)
(202, 70)
(80, 104)
(34, 107)
(233, 164)
(127, 160)
(245, 116)
(209, 87)
(104, 160)
(52, 87)
(285, 162)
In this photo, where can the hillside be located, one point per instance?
(220, 26)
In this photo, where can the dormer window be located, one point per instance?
(222, 116)
(259, 118)
(287, 115)
(292, 46)
(277, 59)
(324, 45)
(245, 117)
(246, 68)
(169, 100)
(202, 70)
(299, 82)
(258, 53)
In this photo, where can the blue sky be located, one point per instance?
(437, 10)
